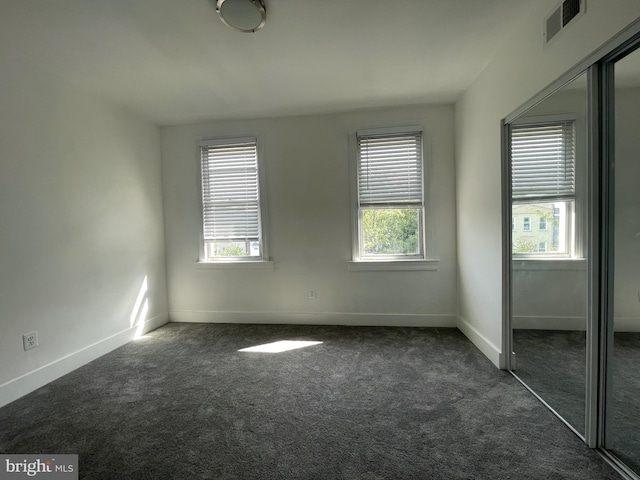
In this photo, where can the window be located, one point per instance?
(543, 186)
(390, 198)
(231, 212)
(542, 224)
(513, 223)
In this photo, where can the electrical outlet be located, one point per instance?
(312, 293)
(30, 340)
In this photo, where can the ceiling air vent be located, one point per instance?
(566, 12)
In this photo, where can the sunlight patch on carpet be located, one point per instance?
(281, 346)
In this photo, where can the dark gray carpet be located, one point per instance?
(623, 435)
(368, 403)
(553, 364)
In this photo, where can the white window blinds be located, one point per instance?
(390, 169)
(543, 161)
(230, 194)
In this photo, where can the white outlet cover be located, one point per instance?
(30, 340)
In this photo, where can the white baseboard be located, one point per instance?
(531, 322)
(27, 383)
(622, 324)
(317, 318)
(627, 325)
(492, 352)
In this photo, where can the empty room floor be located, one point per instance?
(553, 364)
(367, 403)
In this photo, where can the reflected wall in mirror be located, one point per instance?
(623, 394)
(548, 226)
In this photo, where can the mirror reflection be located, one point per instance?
(548, 207)
(623, 407)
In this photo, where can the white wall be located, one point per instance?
(520, 69)
(307, 172)
(627, 209)
(81, 222)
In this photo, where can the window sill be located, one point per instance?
(393, 265)
(549, 263)
(240, 265)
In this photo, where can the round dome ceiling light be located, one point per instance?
(246, 16)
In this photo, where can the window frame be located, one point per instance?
(574, 204)
(361, 262)
(210, 261)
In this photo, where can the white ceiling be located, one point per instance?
(175, 62)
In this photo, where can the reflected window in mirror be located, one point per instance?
(543, 188)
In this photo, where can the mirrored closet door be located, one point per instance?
(622, 407)
(548, 145)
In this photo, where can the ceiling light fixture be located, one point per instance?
(246, 16)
